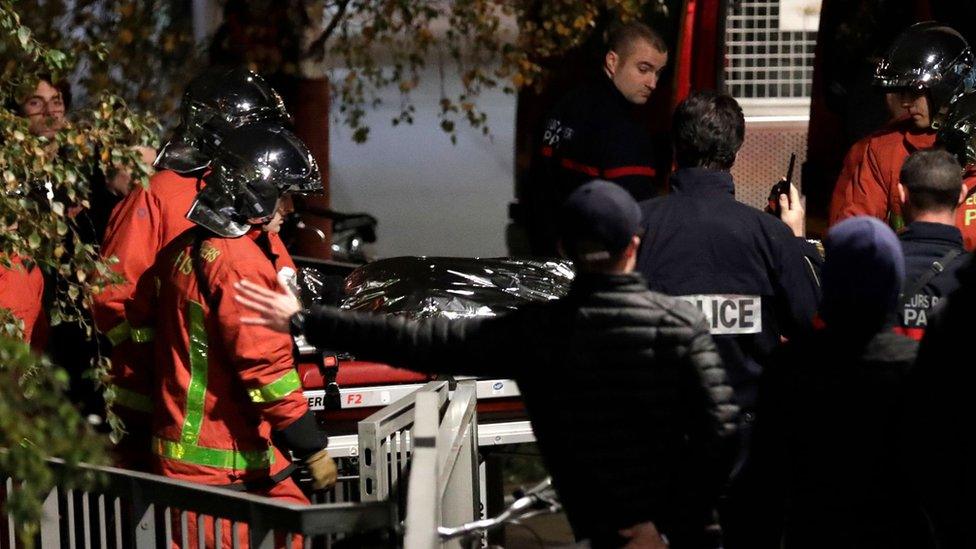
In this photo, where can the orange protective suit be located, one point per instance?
(21, 291)
(220, 387)
(141, 225)
(868, 182)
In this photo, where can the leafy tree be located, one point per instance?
(35, 419)
(361, 45)
(365, 45)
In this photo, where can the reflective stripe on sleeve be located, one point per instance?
(119, 333)
(124, 331)
(142, 335)
(132, 400)
(277, 389)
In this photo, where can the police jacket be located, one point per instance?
(742, 267)
(933, 254)
(591, 133)
(624, 387)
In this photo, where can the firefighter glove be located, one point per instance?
(323, 469)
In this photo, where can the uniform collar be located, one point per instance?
(702, 181)
(923, 230)
(605, 83)
(587, 283)
(916, 139)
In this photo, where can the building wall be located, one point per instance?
(430, 197)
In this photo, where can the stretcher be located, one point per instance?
(342, 390)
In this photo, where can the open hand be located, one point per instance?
(274, 308)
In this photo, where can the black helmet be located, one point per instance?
(216, 102)
(958, 132)
(253, 167)
(927, 56)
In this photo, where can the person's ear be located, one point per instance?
(610, 62)
(634, 245)
(902, 193)
(963, 193)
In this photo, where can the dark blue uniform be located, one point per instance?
(590, 134)
(924, 245)
(742, 267)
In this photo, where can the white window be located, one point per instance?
(769, 54)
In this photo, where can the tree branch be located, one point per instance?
(317, 47)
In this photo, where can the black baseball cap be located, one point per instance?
(597, 221)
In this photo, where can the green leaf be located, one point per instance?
(23, 35)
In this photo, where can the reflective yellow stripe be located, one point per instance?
(143, 335)
(132, 400)
(214, 457)
(196, 391)
(124, 331)
(119, 333)
(277, 389)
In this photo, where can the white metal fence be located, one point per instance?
(430, 436)
(132, 509)
(443, 488)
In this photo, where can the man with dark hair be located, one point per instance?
(657, 437)
(592, 133)
(930, 189)
(751, 274)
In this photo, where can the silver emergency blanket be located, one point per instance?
(421, 287)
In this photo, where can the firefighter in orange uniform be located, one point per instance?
(215, 103)
(925, 65)
(221, 388)
(958, 136)
(25, 285)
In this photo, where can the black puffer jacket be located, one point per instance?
(625, 389)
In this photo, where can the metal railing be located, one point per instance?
(444, 481)
(429, 437)
(133, 509)
(385, 443)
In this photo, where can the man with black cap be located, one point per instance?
(632, 373)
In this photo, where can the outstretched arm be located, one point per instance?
(474, 346)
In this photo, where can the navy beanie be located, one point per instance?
(597, 221)
(862, 275)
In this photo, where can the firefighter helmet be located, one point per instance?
(958, 132)
(254, 166)
(216, 102)
(927, 57)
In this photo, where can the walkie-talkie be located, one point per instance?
(781, 187)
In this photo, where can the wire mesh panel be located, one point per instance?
(767, 60)
(764, 158)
